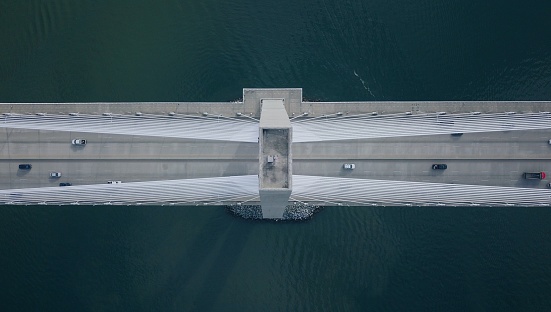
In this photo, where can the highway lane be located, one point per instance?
(80, 172)
(491, 145)
(476, 172)
(20, 144)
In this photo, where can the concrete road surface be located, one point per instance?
(497, 158)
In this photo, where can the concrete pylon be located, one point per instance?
(275, 158)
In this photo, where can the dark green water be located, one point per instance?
(363, 259)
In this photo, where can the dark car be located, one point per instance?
(79, 142)
(25, 166)
(457, 134)
(439, 166)
(65, 184)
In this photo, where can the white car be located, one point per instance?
(349, 166)
(114, 182)
(55, 174)
(79, 142)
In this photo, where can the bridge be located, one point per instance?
(272, 152)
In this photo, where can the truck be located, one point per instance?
(534, 175)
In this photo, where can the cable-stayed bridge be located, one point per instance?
(274, 150)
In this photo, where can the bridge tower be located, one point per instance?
(275, 158)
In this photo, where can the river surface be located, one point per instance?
(94, 258)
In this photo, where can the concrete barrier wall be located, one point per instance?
(252, 109)
(228, 109)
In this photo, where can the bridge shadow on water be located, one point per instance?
(206, 264)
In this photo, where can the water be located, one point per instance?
(345, 258)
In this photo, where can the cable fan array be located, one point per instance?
(181, 192)
(377, 192)
(367, 126)
(191, 127)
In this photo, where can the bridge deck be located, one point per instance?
(486, 158)
(497, 158)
